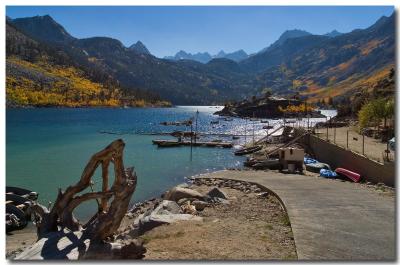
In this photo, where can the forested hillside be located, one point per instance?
(319, 67)
(102, 71)
(38, 74)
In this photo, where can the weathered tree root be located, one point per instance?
(104, 224)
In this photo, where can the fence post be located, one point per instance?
(363, 144)
(347, 139)
(387, 151)
(334, 135)
(327, 128)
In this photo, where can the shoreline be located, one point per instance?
(28, 235)
(89, 107)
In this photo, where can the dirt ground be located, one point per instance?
(373, 148)
(18, 240)
(249, 228)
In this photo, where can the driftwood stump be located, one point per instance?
(99, 230)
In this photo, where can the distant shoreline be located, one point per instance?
(86, 107)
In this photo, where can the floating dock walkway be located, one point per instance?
(172, 143)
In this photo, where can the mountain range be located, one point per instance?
(239, 55)
(314, 66)
(205, 57)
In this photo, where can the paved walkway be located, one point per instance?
(331, 220)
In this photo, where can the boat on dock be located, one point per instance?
(183, 134)
(267, 164)
(176, 123)
(355, 177)
(289, 121)
(248, 150)
(171, 143)
(267, 127)
(168, 144)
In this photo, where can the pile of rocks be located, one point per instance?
(243, 186)
(381, 187)
(182, 203)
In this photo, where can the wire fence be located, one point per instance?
(350, 139)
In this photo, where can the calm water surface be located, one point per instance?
(47, 148)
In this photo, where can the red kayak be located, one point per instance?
(350, 174)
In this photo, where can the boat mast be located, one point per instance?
(253, 127)
(245, 130)
(195, 135)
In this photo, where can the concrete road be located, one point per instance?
(331, 220)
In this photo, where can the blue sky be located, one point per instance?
(166, 30)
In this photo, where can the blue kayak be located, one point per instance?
(326, 173)
(308, 160)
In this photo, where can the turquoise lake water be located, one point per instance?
(47, 148)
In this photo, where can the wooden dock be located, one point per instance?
(172, 143)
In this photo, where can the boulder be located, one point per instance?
(220, 200)
(188, 208)
(263, 194)
(199, 205)
(217, 193)
(183, 185)
(178, 193)
(182, 201)
(165, 213)
(167, 207)
(149, 222)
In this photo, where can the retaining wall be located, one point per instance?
(337, 156)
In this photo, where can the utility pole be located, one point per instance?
(253, 128)
(195, 135)
(245, 130)
(308, 117)
(253, 133)
(326, 124)
(191, 140)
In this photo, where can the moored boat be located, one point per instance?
(168, 144)
(31, 195)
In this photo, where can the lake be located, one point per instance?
(47, 148)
